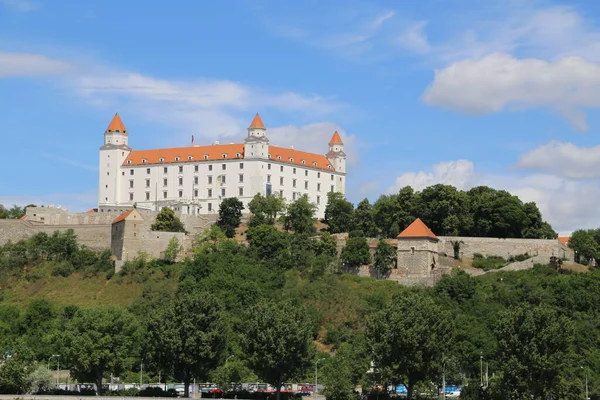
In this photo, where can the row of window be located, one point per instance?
(224, 168)
(222, 180)
(224, 156)
(295, 195)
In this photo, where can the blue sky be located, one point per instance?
(463, 92)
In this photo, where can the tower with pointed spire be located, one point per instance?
(256, 144)
(112, 155)
(336, 154)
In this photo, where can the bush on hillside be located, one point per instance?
(489, 262)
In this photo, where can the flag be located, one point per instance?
(192, 138)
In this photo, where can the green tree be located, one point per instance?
(407, 339)
(339, 213)
(167, 221)
(496, 213)
(535, 345)
(188, 336)
(100, 340)
(459, 286)
(385, 258)
(267, 242)
(278, 342)
(585, 244)
(536, 227)
(172, 250)
(230, 215)
(337, 375)
(356, 252)
(299, 216)
(364, 218)
(265, 209)
(14, 374)
(445, 210)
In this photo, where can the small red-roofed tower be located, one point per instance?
(112, 155)
(256, 144)
(336, 154)
(417, 251)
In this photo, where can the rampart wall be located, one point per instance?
(543, 248)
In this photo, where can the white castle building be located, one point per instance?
(195, 179)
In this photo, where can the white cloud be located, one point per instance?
(20, 64)
(314, 138)
(500, 81)
(566, 204)
(459, 173)
(563, 159)
(415, 39)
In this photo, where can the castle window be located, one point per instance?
(128, 161)
(294, 170)
(190, 158)
(306, 185)
(241, 178)
(181, 169)
(293, 183)
(281, 194)
(331, 176)
(412, 250)
(281, 168)
(130, 184)
(224, 155)
(237, 155)
(305, 172)
(269, 155)
(318, 174)
(268, 178)
(195, 168)
(223, 192)
(147, 171)
(147, 195)
(209, 193)
(130, 196)
(281, 181)
(165, 182)
(130, 172)
(161, 159)
(279, 157)
(340, 178)
(318, 199)
(291, 159)
(210, 167)
(241, 191)
(181, 193)
(144, 161)
(164, 195)
(314, 163)
(318, 187)
(329, 167)
(195, 180)
(303, 162)
(147, 182)
(209, 206)
(177, 158)
(331, 188)
(206, 156)
(294, 196)
(241, 165)
(165, 170)
(180, 181)
(269, 165)
(196, 193)
(122, 173)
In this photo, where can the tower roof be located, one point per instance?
(116, 125)
(417, 229)
(257, 123)
(336, 139)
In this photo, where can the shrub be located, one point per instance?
(489, 262)
(62, 268)
(477, 255)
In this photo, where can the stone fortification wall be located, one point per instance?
(58, 216)
(543, 248)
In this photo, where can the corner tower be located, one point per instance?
(256, 144)
(112, 155)
(336, 154)
(417, 250)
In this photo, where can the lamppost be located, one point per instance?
(586, 383)
(481, 367)
(57, 365)
(316, 375)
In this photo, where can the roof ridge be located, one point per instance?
(116, 124)
(257, 123)
(417, 229)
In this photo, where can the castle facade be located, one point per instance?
(194, 180)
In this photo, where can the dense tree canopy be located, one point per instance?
(167, 221)
(230, 215)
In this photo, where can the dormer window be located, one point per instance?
(162, 159)
(128, 161)
(303, 162)
(190, 158)
(269, 155)
(329, 167)
(206, 156)
(177, 158)
(291, 159)
(144, 161)
(314, 164)
(279, 157)
(237, 155)
(224, 155)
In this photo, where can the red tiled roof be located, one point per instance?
(216, 152)
(257, 122)
(564, 239)
(116, 125)
(417, 229)
(336, 139)
(91, 210)
(122, 216)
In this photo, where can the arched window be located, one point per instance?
(190, 158)
(177, 158)
(291, 159)
(128, 161)
(237, 155)
(303, 162)
(224, 155)
(206, 156)
(279, 157)
(314, 163)
(144, 161)
(161, 159)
